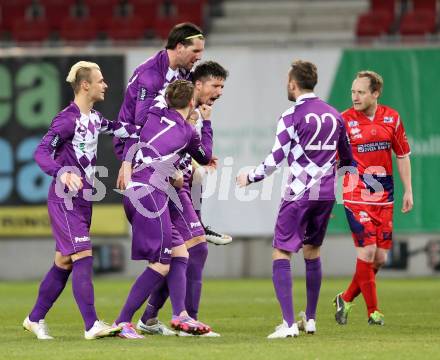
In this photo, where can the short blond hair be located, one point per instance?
(376, 81)
(80, 72)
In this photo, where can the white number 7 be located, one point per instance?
(170, 123)
(319, 121)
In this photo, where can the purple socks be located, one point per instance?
(176, 280)
(50, 289)
(155, 303)
(313, 285)
(82, 287)
(282, 282)
(144, 285)
(196, 263)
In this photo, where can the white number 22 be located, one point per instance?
(319, 121)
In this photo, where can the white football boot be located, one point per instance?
(284, 331)
(155, 329)
(101, 329)
(38, 328)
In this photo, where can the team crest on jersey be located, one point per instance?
(353, 123)
(388, 119)
(355, 131)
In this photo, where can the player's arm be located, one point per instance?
(402, 150)
(404, 168)
(61, 130)
(142, 95)
(126, 113)
(119, 129)
(280, 151)
(201, 149)
(345, 155)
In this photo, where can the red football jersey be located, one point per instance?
(371, 142)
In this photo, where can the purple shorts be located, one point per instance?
(302, 222)
(70, 228)
(186, 220)
(151, 226)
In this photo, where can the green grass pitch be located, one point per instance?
(244, 312)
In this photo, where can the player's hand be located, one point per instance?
(205, 111)
(408, 202)
(242, 180)
(177, 179)
(124, 175)
(72, 181)
(212, 165)
(193, 117)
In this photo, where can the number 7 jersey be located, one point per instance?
(372, 141)
(308, 134)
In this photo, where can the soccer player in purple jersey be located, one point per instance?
(165, 138)
(68, 154)
(190, 249)
(185, 46)
(308, 134)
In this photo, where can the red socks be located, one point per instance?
(363, 281)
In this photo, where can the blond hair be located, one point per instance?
(376, 81)
(80, 72)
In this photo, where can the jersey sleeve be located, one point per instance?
(118, 128)
(280, 151)
(400, 143)
(148, 88)
(344, 153)
(61, 130)
(201, 149)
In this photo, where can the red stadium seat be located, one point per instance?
(191, 10)
(125, 28)
(429, 5)
(56, 11)
(378, 20)
(30, 30)
(383, 5)
(374, 24)
(148, 10)
(78, 29)
(418, 22)
(12, 11)
(101, 10)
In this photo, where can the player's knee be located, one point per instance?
(63, 262)
(162, 269)
(180, 251)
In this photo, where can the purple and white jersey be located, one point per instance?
(72, 140)
(165, 138)
(309, 134)
(145, 88)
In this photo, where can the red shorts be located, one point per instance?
(370, 224)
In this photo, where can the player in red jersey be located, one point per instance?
(375, 131)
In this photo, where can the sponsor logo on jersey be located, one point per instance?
(167, 251)
(353, 123)
(55, 141)
(81, 239)
(195, 224)
(374, 146)
(142, 94)
(363, 217)
(388, 119)
(358, 136)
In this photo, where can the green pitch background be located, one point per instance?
(244, 312)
